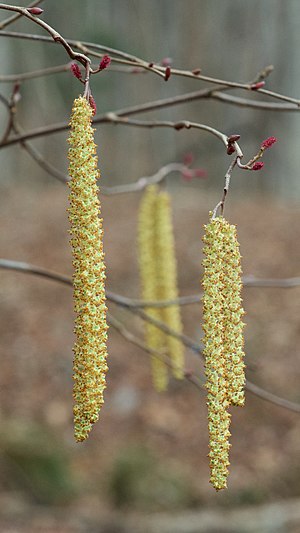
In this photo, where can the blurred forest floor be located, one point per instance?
(148, 452)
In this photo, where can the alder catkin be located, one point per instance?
(90, 350)
(158, 272)
(223, 340)
(147, 250)
(233, 324)
(167, 281)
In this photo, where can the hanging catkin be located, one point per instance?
(159, 281)
(89, 272)
(147, 248)
(167, 281)
(223, 340)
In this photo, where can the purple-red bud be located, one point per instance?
(258, 166)
(196, 71)
(230, 149)
(166, 62)
(105, 62)
(35, 10)
(188, 159)
(167, 73)
(200, 173)
(93, 104)
(258, 85)
(233, 138)
(76, 71)
(268, 142)
(189, 174)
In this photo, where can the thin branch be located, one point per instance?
(133, 339)
(144, 181)
(39, 159)
(189, 343)
(248, 281)
(134, 62)
(13, 18)
(107, 117)
(157, 69)
(55, 36)
(34, 74)
(254, 104)
(178, 125)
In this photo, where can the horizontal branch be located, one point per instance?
(248, 281)
(144, 181)
(178, 125)
(189, 343)
(107, 117)
(133, 339)
(158, 69)
(15, 17)
(11, 78)
(253, 104)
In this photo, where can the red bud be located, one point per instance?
(35, 10)
(258, 166)
(230, 149)
(258, 85)
(105, 62)
(233, 138)
(167, 73)
(93, 105)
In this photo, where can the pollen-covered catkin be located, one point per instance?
(167, 281)
(223, 340)
(90, 350)
(147, 249)
(233, 323)
(158, 273)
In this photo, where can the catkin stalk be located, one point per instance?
(90, 350)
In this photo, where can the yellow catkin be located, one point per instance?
(90, 350)
(233, 313)
(167, 280)
(148, 273)
(159, 281)
(223, 339)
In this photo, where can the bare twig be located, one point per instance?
(110, 116)
(158, 69)
(178, 125)
(119, 326)
(189, 343)
(13, 18)
(39, 159)
(34, 74)
(55, 36)
(248, 281)
(143, 182)
(254, 104)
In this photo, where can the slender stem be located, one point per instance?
(54, 34)
(189, 343)
(158, 69)
(13, 18)
(133, 339)
(34, 74)
(254, 104)
(110, 116)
